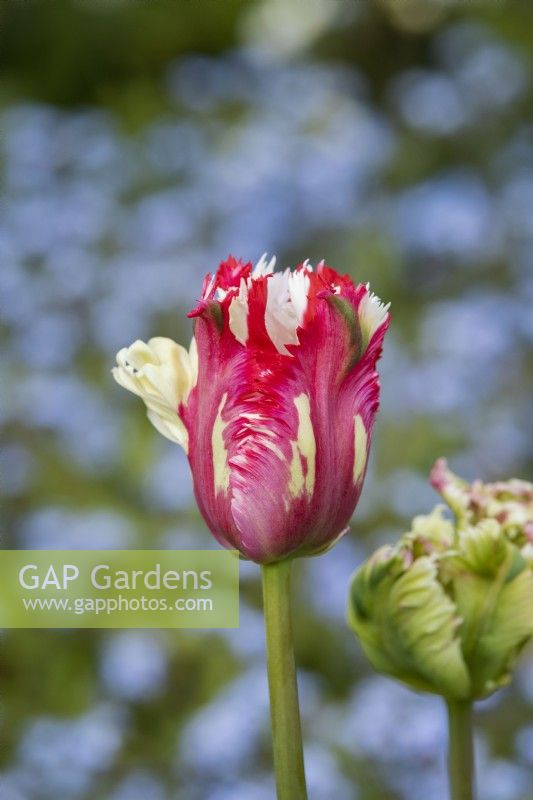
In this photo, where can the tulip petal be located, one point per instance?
(163, 374)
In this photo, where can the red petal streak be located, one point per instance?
(262, 349)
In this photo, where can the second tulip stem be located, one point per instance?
(461, 750)
(284, 707)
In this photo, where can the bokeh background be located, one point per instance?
(141, 143)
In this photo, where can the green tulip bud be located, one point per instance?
(448, 608)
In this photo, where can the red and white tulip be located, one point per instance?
(274, 402)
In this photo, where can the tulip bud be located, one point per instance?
(274, 404)
(448, 609)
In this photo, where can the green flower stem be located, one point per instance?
(461, 750)
(284, 708)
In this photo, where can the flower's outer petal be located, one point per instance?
(219, 361)
(487, 564)
(343, 392)
(244, 417)
(163, 374)
(247, 428)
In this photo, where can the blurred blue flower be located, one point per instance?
(134, 664)
(448, 217)
(139, 786)
(61, 757)
(429, 102)
(222, 738)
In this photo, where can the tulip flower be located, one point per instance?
(448, 608)
(274, 404)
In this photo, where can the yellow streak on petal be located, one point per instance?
(360, 445)
(296, 483)
(303, 447)
(220, 453)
